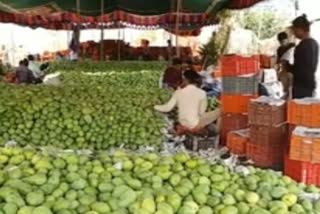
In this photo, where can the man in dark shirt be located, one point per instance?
(285, 45)
(23, 74)
(305, 59)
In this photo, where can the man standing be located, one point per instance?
(305, 59)
(284, 59)
(192, 104)
(286, 48)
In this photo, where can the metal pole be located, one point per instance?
(102, 57)
(78, 26)
(297, 7)
(177, 27)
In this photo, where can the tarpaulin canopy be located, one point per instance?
(62, 14)
(138, 7)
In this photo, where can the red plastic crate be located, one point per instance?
(237, 142)
(236, 103)
(303, 172)
(304, 114)
(232, 122)
(233, 65)
(265, 156)
(265, 61)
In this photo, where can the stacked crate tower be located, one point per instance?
(268, 132)
(240, 79)
(303, 160)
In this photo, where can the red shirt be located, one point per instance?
(173, 77)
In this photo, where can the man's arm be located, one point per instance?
(203, 106)
(168, 106)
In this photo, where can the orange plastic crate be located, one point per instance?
(304, 114)
(233, 65)
(305, 149)
(303, 172)
(237, 142)
(265, 155)
(236, 103)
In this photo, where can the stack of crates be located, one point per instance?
(303, 160)
(268, 132)
(240, 79)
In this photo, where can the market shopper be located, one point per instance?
(23, 74)
(35, 69)
(305, 59)
(210, 82)
(286, 48)
(191, 102)
(172, 77)
(285, 55)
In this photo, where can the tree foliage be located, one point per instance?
(264, 24)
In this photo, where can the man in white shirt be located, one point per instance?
(192, 104)
(36, 71)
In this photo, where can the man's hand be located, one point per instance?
(149, 106)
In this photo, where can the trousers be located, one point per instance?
(210, 117)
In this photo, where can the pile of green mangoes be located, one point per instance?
(112, 66)
(126, 183)
(81, 117)
(146, 79)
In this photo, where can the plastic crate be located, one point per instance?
(303, 172)
(305, 149)
(304, 113)
(233, 65)
(266, 115)
(266, 156)
(265, 61)
(237, 142)
(240, 85)
(232, 103)
(232, 122)
(268, 135)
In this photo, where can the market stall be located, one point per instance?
(94, 145)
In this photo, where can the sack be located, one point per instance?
(10, 77)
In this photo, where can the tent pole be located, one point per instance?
(119, 44)
(177, 27)
(78, 26)
(212, 6)
(102, 32)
